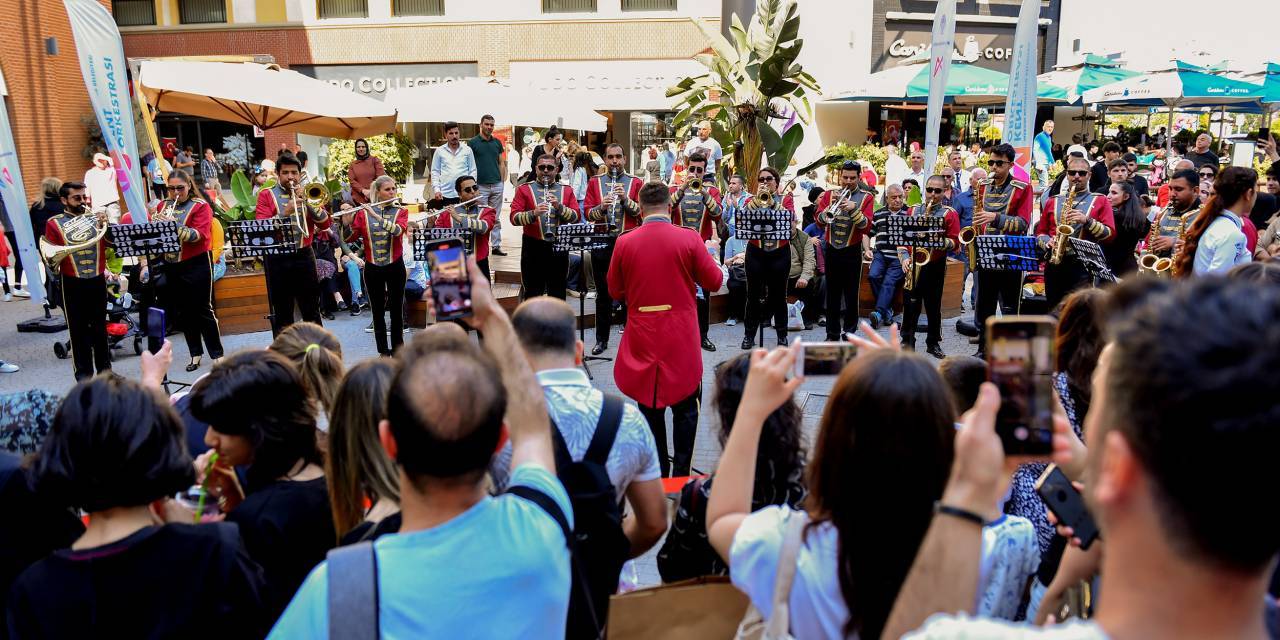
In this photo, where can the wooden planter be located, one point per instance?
(240, 302)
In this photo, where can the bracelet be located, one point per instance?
(957, 512)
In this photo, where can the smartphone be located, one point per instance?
(1061, 497)
(1020, 360)
(1264, 134)
(823, 358)
(155, 329)
(450, 284)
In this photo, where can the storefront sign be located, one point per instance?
(374, 80)
(989, 46)
(618, 85)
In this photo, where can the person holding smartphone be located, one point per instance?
(383, 257)
(926, 290)
(187, 289)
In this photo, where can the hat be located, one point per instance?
(1078, 150)
(101, 156)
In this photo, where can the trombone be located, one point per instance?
(314, 194)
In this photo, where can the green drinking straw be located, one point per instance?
(204, 486)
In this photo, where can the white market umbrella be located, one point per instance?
(262, 95)
(470, 98)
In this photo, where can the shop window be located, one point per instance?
(343, 8)
(568, 6)
(134, 13)
(202, 11)
(418, 7)
(648, 5)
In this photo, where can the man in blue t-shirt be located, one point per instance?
(464, 564)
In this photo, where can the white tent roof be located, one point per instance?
(470, 98)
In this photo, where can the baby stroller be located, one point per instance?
(121, 323)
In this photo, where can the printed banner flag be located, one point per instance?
(1020, 103)
(15, 203)
(104, 67)
(943, 44)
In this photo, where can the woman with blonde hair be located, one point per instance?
(316, 354)
(358, 468)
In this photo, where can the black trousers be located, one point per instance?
(386, 293)
(809, 295)
(543, 271)
(767, 280)
(926, 291)
(704, 312)
(1003, 287)
(188, 295)
(844, 276)
(17, 259)
(483, 265)
(84, 304)
(291, 278)
(600, 259)
(1060, 280)
(684, 430)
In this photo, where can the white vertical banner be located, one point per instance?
(15, 203)
(1020, 103)
(943, 43)
(104, 67)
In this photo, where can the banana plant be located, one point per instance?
(748, 82)
(246, 199)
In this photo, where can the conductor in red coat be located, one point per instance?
(655, 271)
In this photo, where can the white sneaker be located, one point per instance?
(8, 367)
(573, 293)
(22, 293)
(731, 322)
(591, 295)
(8, 297)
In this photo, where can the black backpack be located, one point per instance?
(599, 546)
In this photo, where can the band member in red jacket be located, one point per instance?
(612, 200)
(844, 216)
(655, 271)
(1006, 209)
(540, 206)
(384, 274)
(927, 279)
(291, 278)
(698, 209)
(188, 278)
(1090, 217)
(768, 264)
(474, 217)
(84, 288)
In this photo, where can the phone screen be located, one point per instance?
(823, 358)
(155, 329)
(1264, 133)
(1020, 362)
(450, 285)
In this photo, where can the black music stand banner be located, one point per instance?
(917, 232)
(583, 236)
(423, 236)
(1090, 255)
(1007, 253)
(764, 224)
(266, 237)
(145, 239)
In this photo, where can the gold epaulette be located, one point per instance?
(1018, 184)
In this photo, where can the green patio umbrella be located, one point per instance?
(1094, 72)
(969, 84)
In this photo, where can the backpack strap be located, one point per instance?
(353, 592)
(606, 430)
(779, 624)
(560, 448)
(547, 504)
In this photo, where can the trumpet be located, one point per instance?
(693, 185)
(167, 213)
(834, 209)
(75, 229)
(762, 200)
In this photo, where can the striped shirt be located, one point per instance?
(880, 230)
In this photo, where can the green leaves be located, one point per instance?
(787, 149)
(241, 188)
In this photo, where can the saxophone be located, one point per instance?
(971, 232)
(917, 258)
(1182, 237)
(1064, 231)
(1148, 261)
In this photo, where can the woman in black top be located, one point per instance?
(550, 144)
(117, 451)
(259, 415)
(1131, 226)
(779, 478)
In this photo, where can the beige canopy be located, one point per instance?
(263, 95)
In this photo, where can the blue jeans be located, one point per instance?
(884, 275)
(353, 277)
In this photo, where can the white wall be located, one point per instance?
(1150, 34)
(837, 53)
(508, 10)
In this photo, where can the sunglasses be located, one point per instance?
(767, 179)
(546, 167)
(697, 170)
(933, 190)
(1206, 175)
(1077, 172)
(181, 187)
(997, 163)
(471, 189)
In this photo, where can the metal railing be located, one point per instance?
(568, 6)
(342, 8)
(134, 13)
(648, 5)
(418, 7)
(202, 11)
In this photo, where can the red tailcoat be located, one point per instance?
(950, 229)
(597, 186)
(360, 229)
(868, 210)
(1099, 209)
(654, 270)
(525, 202)
(480, 239)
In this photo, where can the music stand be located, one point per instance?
(917, 232)
(1007, 253)
(1090, 255)
(260, 239)
(583, 237)
(763, 225)
(423, 236)
(145, 239)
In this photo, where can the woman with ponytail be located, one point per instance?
(316, 354)
(1216, 242)
(1131, 226)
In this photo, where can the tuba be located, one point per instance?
(77, 232)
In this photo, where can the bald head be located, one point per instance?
(1184, 164)
(976, 177)
(545, 327)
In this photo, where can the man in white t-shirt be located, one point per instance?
(1187, 555)
(100, 186)
(916, 170)
(464, 564)
(708, 146)
(546, 328)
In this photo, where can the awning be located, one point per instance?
(471, 98)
